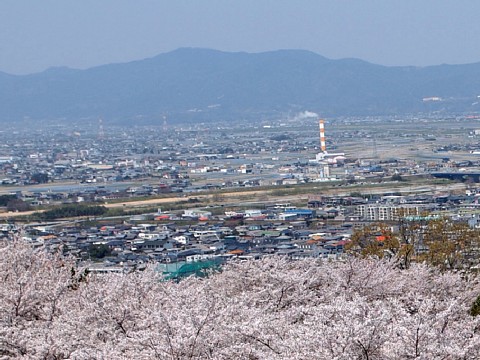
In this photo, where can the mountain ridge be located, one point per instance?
(196, 84)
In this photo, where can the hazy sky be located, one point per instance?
(37, 34)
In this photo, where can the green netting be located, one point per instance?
(196, 268)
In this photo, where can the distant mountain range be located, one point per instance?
(201, 84)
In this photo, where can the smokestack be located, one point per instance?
(165, 128)
(323, 145)
(101, 131)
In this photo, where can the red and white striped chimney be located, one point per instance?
(323, 145)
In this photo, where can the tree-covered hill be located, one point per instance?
(200, 85)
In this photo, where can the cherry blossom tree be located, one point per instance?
(268, 309)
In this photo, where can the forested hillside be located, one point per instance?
(203, 85)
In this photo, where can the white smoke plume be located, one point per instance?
(305, 115)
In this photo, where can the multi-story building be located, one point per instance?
(385, 212)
